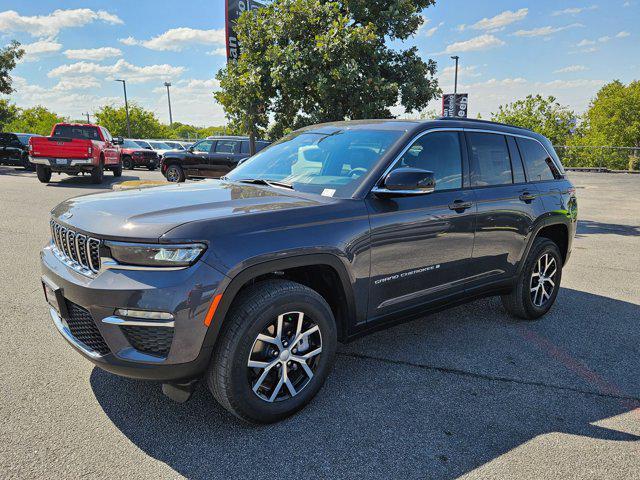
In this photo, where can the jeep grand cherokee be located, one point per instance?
(250, 281)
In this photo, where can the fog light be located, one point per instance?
(123, 312)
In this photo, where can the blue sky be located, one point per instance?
(507, 48)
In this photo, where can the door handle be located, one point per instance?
(527, 197)
(460, 206)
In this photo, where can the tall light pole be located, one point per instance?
(126, 106)
(168, 84)
(88, 119)
(455, 87)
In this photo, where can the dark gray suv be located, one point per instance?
(336, 230)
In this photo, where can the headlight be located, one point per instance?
(153, 255)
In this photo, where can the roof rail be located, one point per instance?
(477, 120)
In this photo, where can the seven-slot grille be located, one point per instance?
(76, 248)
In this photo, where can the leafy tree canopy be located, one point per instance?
(144, 123)
(9, 56)
(540, 114)
(311, 61)
(8, 113)
(613, 117)
(33, 120)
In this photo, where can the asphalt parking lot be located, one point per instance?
(464, 393)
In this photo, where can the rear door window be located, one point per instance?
(537, 161)
(490, 163)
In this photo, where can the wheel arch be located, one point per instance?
(553, 229)
(334, 286)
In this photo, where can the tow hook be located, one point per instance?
(179, 392)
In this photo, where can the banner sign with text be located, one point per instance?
(459, 109)
(235, 8)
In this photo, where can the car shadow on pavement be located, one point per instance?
(588, 227)
(433, 398)
(84, 181)
(16, 171)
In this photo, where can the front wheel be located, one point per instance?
(127, 163)
(175, 173)
(44, 173)
(539, 282)
(276, 349)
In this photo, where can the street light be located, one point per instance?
(126, 106)
(455, 86)
(168, 84)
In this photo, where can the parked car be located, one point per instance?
(249, 282)
(14, 149)
(174, 145)
(159, 147)
(212, 157)
(73, 148)
(133, 155)
(142, 143)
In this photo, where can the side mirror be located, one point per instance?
(407, 181)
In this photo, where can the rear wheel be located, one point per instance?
(275, 351)
(175, 173)
(117, 170)
(537, 287)
(44, 173)
(97, 174)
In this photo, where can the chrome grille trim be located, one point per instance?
(76, 250)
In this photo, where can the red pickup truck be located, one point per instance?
(73, 148)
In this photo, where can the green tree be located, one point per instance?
(8, 113)
(9, 56)
(543, 115)
(34, 120)
(310, 61)
(144, 123)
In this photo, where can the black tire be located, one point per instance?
(117, 170)
(253, 311)
(175, 173)
(151, 168)
(520, 302)
(44, 173)
(97, 174)
(127, 164)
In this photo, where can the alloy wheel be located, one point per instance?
(543, 280)
(173, 175)
(284, 357)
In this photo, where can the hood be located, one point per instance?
(148, 213)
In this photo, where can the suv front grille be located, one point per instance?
(79, 251)
(84, 329)
(154, 341)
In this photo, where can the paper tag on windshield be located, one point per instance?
(328, 192)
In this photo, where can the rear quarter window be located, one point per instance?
(537, 161)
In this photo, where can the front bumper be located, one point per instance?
(185, 294)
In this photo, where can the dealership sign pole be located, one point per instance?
(233, 10)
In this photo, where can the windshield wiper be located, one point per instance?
(269, 183)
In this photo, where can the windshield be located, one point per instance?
(24, 139)
(332, 164)
(159, 146)
(130, 144)
(76, 131)
(175, 145)
(143, 144)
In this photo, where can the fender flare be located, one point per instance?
(542, 223)
(231, 288)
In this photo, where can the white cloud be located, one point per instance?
(36, 50)
(622, 34)
(93, 53)
(448, 73)
(501, 20)
(573, 11)
(121, 69)
(482, 42)
(571, 69)
(431, 31)
(585, 43)
(545, 31)
(51, 24)
(220, 52)
(191, 102)
(178, 38)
